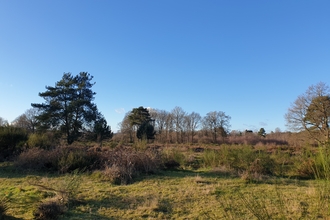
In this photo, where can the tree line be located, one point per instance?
(176, 126)
(68, 111)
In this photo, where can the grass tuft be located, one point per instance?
(3, 208)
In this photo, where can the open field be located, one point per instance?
(203, 193)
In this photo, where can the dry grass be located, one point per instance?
(172, 195)
(223, 187)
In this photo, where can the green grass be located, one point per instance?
(227, 182)
(202, 194)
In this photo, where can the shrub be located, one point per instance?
(321, 167)
(123, 164)
(35, 159)
(118, 175)
(11, 140)
(304, 168)
(130, 162)
(244, 159)
(173, 158)
(61, 159)
(45, 140)
(71, 158)
(212, 158)
(262, 164)
(49, 210)
(314, 165)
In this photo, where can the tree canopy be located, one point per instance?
(139, 115)
(27, 120)
(68, 106)
(141, 119)
(311, 112)
(217, 122)
(101, 129)
(262, 132)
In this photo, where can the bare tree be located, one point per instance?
(192, 122)
(3, 122)
(311, 112)
(178, 116)
(217, 122)
(160, 118)
(169, 127)
(126, 128)
(27, 120)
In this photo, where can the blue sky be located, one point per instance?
(249, 59)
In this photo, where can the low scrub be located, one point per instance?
(123, 164)
(50, 210)
(45, 140)
(120, 165)
(244, 160)
(173, 158)
(60, 159)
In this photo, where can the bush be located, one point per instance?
(321, 167)
(212, 158)
(123, 164)
(61, 159)
(36, 159)
(11, 140)
(71, 158)
(173, 158)
(243, 159)
(129, 162)
(49, 210)
(304, 168)
(45, 140)
(262, 164)
(313, 164)
(118, 175)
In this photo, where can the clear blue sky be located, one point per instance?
(250, 59)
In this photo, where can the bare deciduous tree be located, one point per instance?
(217, 122)
(192, 122)
(3, 122)
(126, 129)
(160, 117)
(311, 112)
(178, 116)
(27, 120)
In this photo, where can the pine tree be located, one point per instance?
(68, 106)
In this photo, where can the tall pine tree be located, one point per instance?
(68, 106)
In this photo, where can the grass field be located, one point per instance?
(180, 194)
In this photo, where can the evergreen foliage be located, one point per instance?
(11, 139)
(140, 118)
(146, 131)
(68, 106)
(101, 129)
(262, 132)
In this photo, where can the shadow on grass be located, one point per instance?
(103, 208)
(100, 209)
(11, 218)
(82, 215)
(8, 170)
(218, 175)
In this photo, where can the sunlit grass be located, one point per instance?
(212, 190)
(170, 195)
